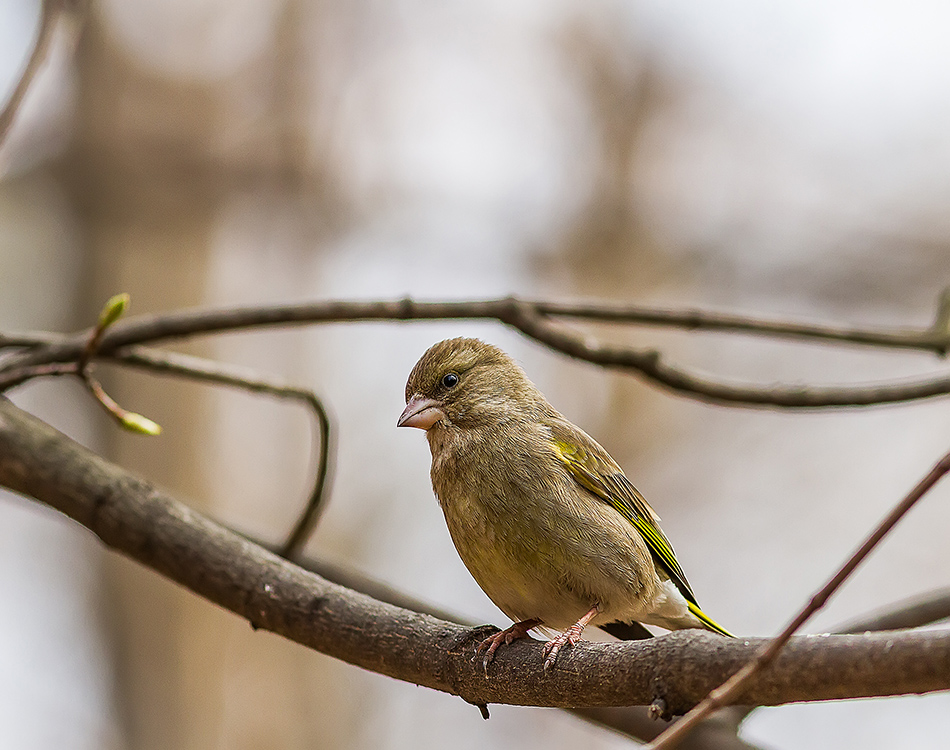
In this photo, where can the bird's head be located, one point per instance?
(466, 383)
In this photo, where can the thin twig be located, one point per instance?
(187, 323)
(196, 368)
(906, 615)
(29, 339)
(111, 312)
(913, 613)
(651, 365)
(19, 375)
(934, 338)
(307, 521)
(527, 317)
(727, 692)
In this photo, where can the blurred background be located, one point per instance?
(785, 158)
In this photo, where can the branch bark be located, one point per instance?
(716, 732)
(133, 517)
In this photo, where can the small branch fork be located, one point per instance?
(130, 420)
(200, 370)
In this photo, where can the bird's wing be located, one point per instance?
(593, 468)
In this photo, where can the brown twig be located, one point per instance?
(18, 375)
(528, 317)
(913, 613)
(196, 368)
(29, 339)
(187, 323)
(204, 370)
(716, 732)
(731, 688)
(651, 365)
(934, 338)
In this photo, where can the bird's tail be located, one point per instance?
(708, 622)
(634, 631)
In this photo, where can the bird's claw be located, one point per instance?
(572, 635)
(491, 644)
(553, 647)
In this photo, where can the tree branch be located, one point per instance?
(717, 731)
(203, 370)
(651, 365)
(533, 319)
(913, 613)
(934, 338)
(131, 516)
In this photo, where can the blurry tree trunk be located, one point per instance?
(145, 205)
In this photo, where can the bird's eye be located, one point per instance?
(450, 380)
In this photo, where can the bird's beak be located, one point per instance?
(421, 412)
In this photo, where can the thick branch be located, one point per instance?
(133, 517)
(716, 732)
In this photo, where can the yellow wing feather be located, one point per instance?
(600, 475)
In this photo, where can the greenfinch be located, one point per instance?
(541, 515)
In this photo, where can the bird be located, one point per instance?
(543, 518)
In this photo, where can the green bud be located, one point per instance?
(137, 423)
(113, 309)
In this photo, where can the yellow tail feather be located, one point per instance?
(710, 623)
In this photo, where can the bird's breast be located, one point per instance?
(537, 543)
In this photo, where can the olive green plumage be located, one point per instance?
(540, 514)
